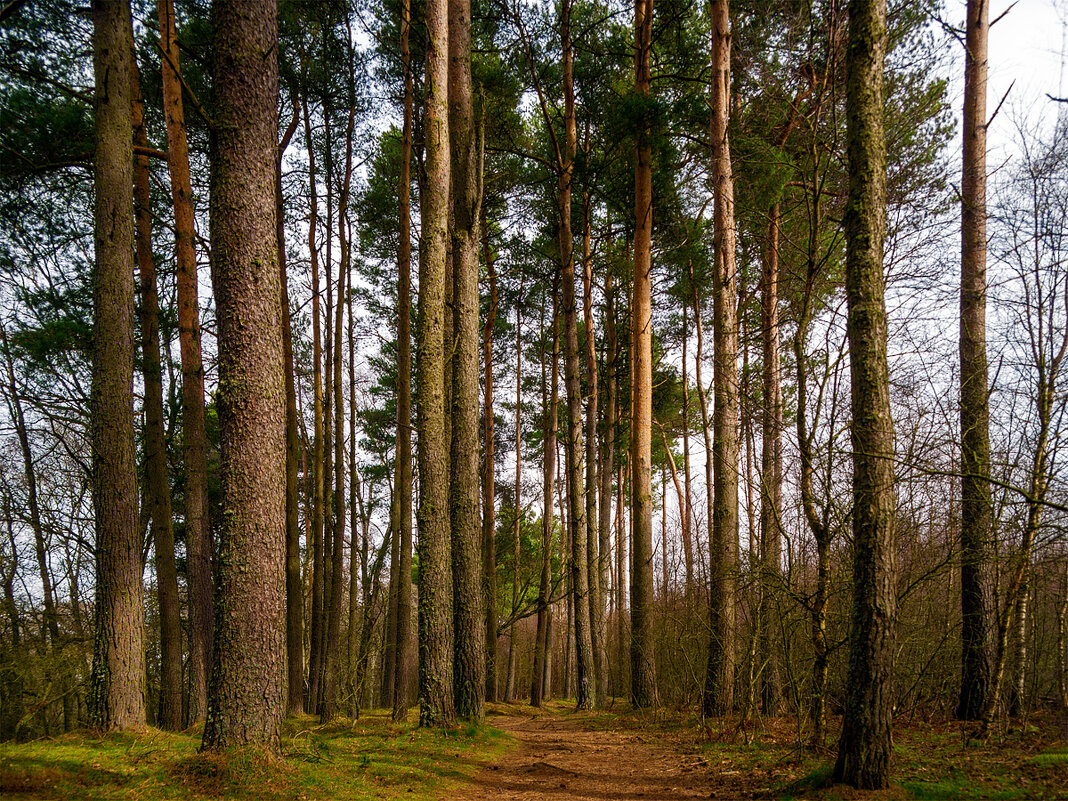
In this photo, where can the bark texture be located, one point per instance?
(469, 664)
(117, 689)
(976, 525)
(719, 678)
(403, 528)
(864, 749)
(248, 683)
(436, 703)
(194, 432)
(642, 658)
(157, 485)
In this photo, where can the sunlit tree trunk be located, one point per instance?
(642, 658)
(194, 432)
(585, 675)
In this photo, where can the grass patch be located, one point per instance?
(372, 758)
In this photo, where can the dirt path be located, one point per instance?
(559, 760)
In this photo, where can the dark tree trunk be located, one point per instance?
(864, 750)
(157, 485)
(976, 514)
(771, 474)
(489, 492)
(117, 690)
(403, 488)
(318, 480)
(294, 585)
(550, 399)
(248, 683)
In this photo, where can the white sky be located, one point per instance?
(1025, 46)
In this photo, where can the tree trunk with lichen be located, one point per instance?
(865, 746)
(436, 702)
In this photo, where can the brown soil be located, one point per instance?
(559, 759)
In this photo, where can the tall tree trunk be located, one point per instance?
(194, 431)
(117, 694)
(510, 682)
(436, 704)
(550, 401)
(770, 473)
(864, 750)
(294, 585)
(403, 485)
(248, 684)
(469, 666)
(580, 575)
(489, 491)
(332, 652)
(719, 680)
(607, 471)
(593, 540)
(355, 671)
(686, 508)
(157, 485)
(318, 479)
(1018, 691)
(643, 663)
(976, 513)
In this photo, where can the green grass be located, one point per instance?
(370, 759)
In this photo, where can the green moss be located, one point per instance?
(368, 759)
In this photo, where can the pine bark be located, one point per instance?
(551, 401)
(594, 556)
(436, 702)
(332, 651)
(294, 584)
(719, 679)
(318, 479)
(157, 484)
(117, 687)
(489, 491)
(865, 746)
(770, 473)
(248, 683)
(194, 431)
(403, 528)
(642, 658)
(469, 664)
(976, 526)
(586, 676)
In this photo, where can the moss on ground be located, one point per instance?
(372, 758)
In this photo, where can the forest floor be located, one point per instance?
(562, 755)
(526, 754)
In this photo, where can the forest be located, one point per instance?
(698, 372)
